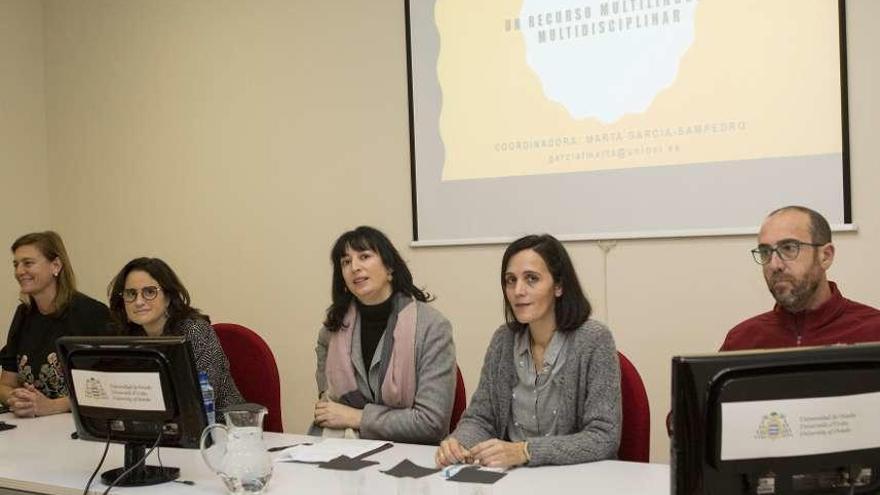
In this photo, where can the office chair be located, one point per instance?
(635, 437)
(460, 403)
(253, 368)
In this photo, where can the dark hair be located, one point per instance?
(361, 239)
(51, 246)
(177, 295)
(572, 308)
(820, 231)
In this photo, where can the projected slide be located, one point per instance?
(599, 92)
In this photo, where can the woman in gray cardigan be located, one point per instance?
(386, 362)
(549, 390)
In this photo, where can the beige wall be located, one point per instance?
(24, 172)
(237, 139)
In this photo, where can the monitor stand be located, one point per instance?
(142, 475)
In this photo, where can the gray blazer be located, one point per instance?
(427, 421)
(589, 411)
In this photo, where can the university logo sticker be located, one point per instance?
(774, 426)
(95, 390)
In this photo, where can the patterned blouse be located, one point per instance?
(211, 359)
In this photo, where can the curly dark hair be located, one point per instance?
(179, 308)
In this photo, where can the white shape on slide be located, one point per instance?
(606, 75)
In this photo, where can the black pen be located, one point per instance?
(282, 447)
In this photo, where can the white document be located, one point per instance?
(130, 391)
(791, 427)
(328, 449)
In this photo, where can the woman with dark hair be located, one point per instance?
(147, 298)
(549, 391)
(32, 382)
(386, 361)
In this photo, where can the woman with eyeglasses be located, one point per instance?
(549, 391)
(386, 361)
(147, 298)
(32, 381)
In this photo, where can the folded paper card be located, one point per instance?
(406, 469)
(345, 463)
(329, 449)
(476, 475)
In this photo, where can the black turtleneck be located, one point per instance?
(374, 319)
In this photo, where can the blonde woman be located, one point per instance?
(32, 382)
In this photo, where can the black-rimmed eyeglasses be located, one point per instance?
(149, 293)
(786, 250)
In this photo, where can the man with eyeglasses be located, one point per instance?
(795, 251)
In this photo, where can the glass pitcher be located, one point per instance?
(238, 454)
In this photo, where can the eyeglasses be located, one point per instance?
(786, 250)
(149, 293)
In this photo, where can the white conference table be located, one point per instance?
(39, 456)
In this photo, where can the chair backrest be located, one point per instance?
(635, 438)
(460, 400)
(253, 368)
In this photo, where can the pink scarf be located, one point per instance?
(399, 384)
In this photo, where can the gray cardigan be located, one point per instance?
(427, 421)
(589, 410)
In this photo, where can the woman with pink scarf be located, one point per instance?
(386, 361)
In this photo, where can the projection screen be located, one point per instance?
(617, 119)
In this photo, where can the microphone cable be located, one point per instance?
(101, 462)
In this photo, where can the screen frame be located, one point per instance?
(847, 223)
(697, 395)
(172, 357)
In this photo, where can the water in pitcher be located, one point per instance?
(239, 456)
